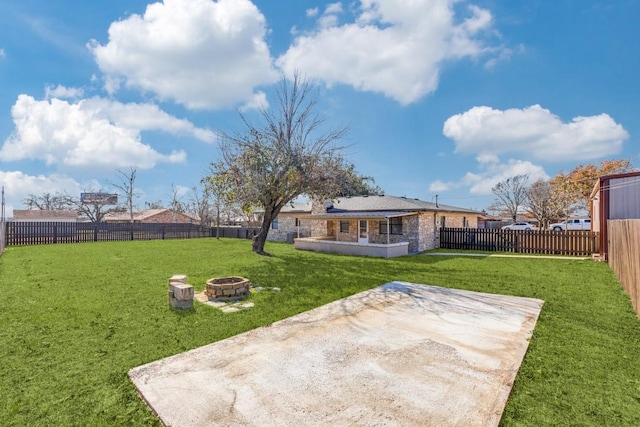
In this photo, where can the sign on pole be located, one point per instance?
(99, 198)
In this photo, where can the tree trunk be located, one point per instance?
(260, 239)
(218, 224)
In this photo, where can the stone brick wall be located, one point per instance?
(428, 226)
(410, 233)
(349, 236)
(453, 220)
(287, 223)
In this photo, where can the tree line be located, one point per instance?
(198, 201)
(560, 197)
(289, 153)
(262, 168)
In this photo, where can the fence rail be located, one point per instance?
(573, 243)
(39, 233)
(624, 256)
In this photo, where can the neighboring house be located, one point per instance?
(150, 216)
(492, 222)
(29, 215)
(371, 225)
(614, 197)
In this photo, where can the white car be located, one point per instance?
(520, 226)
(572, 224)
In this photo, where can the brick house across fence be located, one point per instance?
(37, 215)
(152, 216)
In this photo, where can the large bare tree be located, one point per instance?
(510, 195)
(200, 203)
(127, 188)
(49, 202)
(289, 154)
(543, 203)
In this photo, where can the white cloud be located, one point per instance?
(490, 172)
(2, 54)
(144, 117)
(438, 186)
(259, 101)
(63, 92)
(312, 12)
(333, 8)
(393, 47)
(199, 53)
(534, 131)
(91, 133)
(330, 16)
(181, 191)
(18, 186)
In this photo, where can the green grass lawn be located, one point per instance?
(75, 318)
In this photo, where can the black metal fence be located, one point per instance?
(573, 243)
(38, 233)
(3, 240)
(235, 232)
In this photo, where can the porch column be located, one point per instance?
(388, 230)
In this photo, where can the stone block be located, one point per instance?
(178, 278)
(181, 292)
(184, 305)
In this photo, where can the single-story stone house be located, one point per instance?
(151, 216)
(369, 225)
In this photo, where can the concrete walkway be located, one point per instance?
(401, 354)
(568, 258)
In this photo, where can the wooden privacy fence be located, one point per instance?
(624, 256)
(574, 243)
(36, 233)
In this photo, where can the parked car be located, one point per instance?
(520, 226)
(572, 224)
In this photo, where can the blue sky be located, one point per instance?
(441, 97)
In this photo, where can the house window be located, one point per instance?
(464, 222)
(297, 222)
(344, 226)
(443, 221)
(274, 223)
(395, 226)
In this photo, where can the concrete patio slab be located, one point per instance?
(401, 354)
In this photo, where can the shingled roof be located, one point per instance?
(44, 215)
(390, 203)
(143, 215)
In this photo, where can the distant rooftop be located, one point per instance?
(43, 215)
